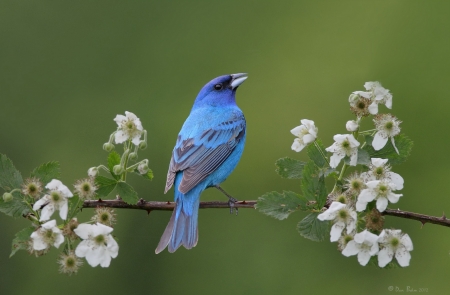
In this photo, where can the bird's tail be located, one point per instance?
(183, 226)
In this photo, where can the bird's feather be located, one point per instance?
(201, 154)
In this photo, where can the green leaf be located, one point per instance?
(289, 168)
(46, 172)
(313, 185)
(73, 208)
(363, 158)
(280, 205)
(105, 186)
(113, 160)
(403, 144)
(20, 242)
(316, 156)
(148, 175)
(10, 177)
(127, 193)
(312, 228)
(16, 207)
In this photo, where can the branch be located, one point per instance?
(419, 217)
(168, 206)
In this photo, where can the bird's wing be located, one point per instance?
(200, 155)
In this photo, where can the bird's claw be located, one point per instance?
(231, 203)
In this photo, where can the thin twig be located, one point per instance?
(168, 206)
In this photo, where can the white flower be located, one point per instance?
(342, 216)
(56, 199)
(364, 244)
(394, 243)
(46, 236)
(345, 145)
(129, 127)
(379, 94)
(380, 190)
(306, 134)
(379, 169)
(352, 125)
(98, 246)
(387, 126)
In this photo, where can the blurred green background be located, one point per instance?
(68, 67)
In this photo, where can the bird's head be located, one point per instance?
(220, 91)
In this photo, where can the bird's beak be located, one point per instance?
(237, 79)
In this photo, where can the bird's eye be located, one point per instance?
(218, 86)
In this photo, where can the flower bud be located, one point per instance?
(142, 145)
(93, 171)
(143, 168)
(7, 197)
(108, 146)
(352, 126)
(118, 169)
(133, 156)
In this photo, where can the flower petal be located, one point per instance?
(38, 242)
(403, 256)
(297, 130)
(120, 136)
(330, 213)
(54, 184)
(308, 138)
(47, 212)
(361, 206)
(83, 248)
(63, 209)
(101, 229)
(385, 256)
(136, 140)
(354, 158)
(119, 118)
(351, 249)
(96, 255)
(59, 240)
(363, 257)
(379, 141)
(373, 108)
(113, 247)
(131, 115)
(406, 241)
(396, 179)
(335, 159)
(336, 231)
(382, 204)
(378, 162)
(40, 203)
(84, 231)
(297, 145)
(49, 224)
(366, 195)
(393, 198)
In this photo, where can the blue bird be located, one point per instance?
(208, 148)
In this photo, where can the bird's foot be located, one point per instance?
(231, 203)
(231, 200)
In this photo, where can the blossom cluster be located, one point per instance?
(376, 185)
(91, 240)
(363, 196)
(98, 246)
